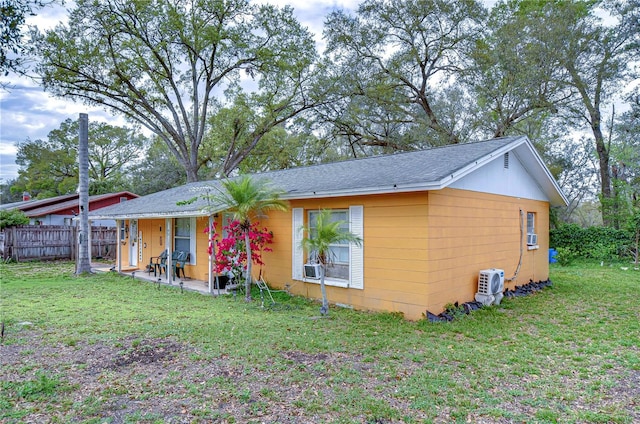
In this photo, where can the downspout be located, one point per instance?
(515, 274)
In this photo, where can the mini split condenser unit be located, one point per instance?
(490, 286)
(312, 271)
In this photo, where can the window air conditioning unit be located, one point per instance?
(312, 271)
(532, 239)
(490, 286)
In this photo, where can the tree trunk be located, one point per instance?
(84, 251)
(605, 178)
(247, 283)
(192, 174)
(324, 310)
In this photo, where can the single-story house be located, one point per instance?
(430, 221)
(61, 210)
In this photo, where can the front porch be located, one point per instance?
(185, 283)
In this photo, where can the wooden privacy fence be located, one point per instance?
(49, 242)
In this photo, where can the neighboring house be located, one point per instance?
(430, 221)
(61, 210)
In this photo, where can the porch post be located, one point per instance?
(211, 255)
(168, 242)
(118, 246)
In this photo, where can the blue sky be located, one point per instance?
(27, 112)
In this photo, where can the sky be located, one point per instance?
(27, 112)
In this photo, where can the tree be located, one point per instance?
(318, 243)
(624, 149)
(161, 63)
(50, 167)
(6, 194)
(280, 147)
(248, 199)
(596, 56)
(158, 170)
(398, 56)
(512, 77)
(83, 261)
(13, 50)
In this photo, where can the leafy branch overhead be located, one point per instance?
(164, 63)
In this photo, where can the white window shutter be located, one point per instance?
(297, 218)
(356, 270)
(192, 241)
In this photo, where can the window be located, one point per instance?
(227, 219)
(532, 237)
(184, 236)
(348, 268)
(338, 266)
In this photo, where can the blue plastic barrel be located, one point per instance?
(552, 256)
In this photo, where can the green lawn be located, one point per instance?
(106, 348)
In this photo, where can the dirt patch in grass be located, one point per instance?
(114, 350)
(147, 380)
(141, 379)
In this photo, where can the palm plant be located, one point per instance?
(248, 199)
(318, 242)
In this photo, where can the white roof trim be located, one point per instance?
(542, 171)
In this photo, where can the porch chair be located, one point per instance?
(178, 259)
(156, 263)
(178, 263)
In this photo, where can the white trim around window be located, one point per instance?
(192, 238)
(355, 279)
(297, 260)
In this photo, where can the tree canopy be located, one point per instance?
(14, 51)
(50, 167)
(231, 86)
(394, 56)
(167, 64)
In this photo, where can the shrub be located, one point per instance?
(9, 218)
(599, 243)
(565, 255)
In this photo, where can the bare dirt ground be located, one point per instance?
(153, 380)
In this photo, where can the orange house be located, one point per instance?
(430, 221)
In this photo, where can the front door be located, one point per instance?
(133, 242)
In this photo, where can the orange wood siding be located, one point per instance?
(422, 250)
(471, 231)
(154, 243)
(395, 253)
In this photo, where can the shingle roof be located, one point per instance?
(42, 207)
(411, 171)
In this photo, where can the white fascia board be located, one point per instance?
(186, 214)
(395, 188)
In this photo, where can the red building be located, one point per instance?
(61, 210)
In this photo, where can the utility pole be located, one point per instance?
(83, 264)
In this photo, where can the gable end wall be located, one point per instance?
(472, 231)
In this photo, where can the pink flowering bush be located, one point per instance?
(230, 252)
